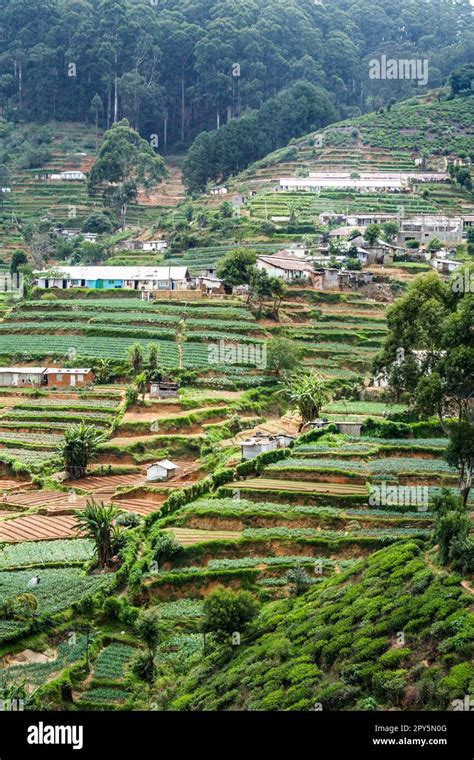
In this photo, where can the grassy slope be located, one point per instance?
(335, 646)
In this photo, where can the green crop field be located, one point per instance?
(44, 553)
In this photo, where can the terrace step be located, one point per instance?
(38, 528)
(264, 484)
(189, 536)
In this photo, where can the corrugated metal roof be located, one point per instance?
(165, 463)
(23, 370)
(286, 264)
(117, 273)
(67, 371)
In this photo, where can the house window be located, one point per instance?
(80, 378)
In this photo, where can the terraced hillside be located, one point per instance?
(387, 141)
(322, 505)
(340, 334)
(34, 196)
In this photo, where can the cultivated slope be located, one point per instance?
(389, 632)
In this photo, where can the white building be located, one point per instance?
(17, 377)
(445, 266)
(363, 220)
(364, 181)
(162, 470)
(115, 277)
(72, 175)
(252, 447)
(288, 268)
(155, 245)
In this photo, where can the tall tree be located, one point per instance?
(97, 109)
(126, 163)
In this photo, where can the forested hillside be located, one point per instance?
(176, 68)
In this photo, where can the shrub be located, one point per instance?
(393, 657)
(220, 477)
(165, 547)
(460, 680)
(227, 612)
(337, 696)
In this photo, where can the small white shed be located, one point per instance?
(162, 470)
(252, 447)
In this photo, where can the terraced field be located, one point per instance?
(375, 142)
(107, 328)
(328, 503)
(321, 508)
(31, 428)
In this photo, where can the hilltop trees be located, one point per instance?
(176, 69)
(126, 163)
(97, 109)
(231, 148)
(461, 80)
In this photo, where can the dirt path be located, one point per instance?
(151, 416)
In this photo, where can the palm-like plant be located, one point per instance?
(79, 447)
(308, 392)
(97, 522)
(103, 370)
(141, 384)
(135, 357)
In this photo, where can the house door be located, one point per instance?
(72, 380)
(99, 284)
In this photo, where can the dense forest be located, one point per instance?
(174, 68)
